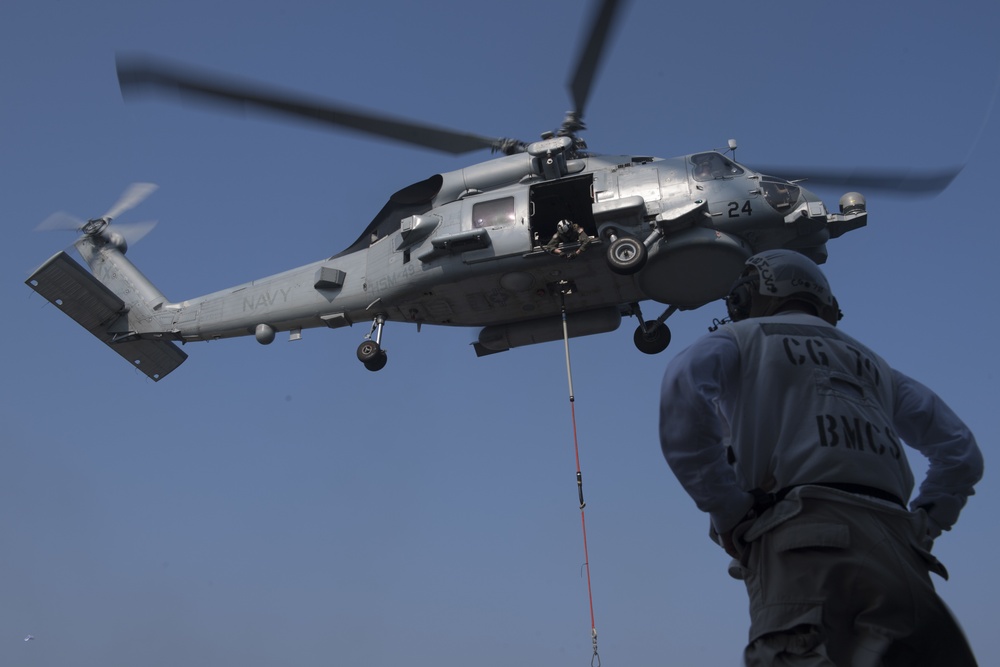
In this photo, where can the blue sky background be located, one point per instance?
(282, 505)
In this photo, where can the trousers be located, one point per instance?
(839, 580)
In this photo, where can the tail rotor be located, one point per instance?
(101, 228)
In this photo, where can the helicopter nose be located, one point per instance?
(811, 205)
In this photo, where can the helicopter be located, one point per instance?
(483, 246)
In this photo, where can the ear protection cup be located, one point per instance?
(740, 298)
(832, 314)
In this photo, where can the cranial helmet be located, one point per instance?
(775, 277)
(562, 226)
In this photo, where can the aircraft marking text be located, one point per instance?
(386, 282)
(265, 299)
(735, 210)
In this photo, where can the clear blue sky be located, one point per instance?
(282, 505)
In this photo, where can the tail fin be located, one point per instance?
(112, 311)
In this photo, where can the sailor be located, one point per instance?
(568, 233)
(789, 433)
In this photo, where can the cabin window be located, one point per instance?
(711, 166)
(496, 213)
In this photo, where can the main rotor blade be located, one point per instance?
(907, 181)
(590, 57)
(137, 74)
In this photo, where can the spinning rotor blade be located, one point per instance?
(885, 180)
(131, 198)
(138, 74)
(590, 57)
(61, 222)
(132, 232)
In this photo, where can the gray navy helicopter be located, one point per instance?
(477, 247)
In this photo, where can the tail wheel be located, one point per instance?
(626, 255)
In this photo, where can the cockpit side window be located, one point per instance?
(780, 194)
(495, 213)
(712, 166)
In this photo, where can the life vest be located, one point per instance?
(815, 406)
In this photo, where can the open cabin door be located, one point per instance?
(565, 199)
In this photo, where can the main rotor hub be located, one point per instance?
(572, 124)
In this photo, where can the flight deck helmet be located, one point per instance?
(775, 277)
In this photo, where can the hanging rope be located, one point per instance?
(595, 660)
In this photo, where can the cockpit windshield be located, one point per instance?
(411, 200)
(712, 166)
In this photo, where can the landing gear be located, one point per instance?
(652, 336)
(370, 352)
(626, 255)
(372, 355)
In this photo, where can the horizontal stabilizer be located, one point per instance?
(75, 291)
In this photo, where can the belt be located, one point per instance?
(763, 500)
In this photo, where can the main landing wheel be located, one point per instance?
(372, 355)
(626, 255)
(652, 337)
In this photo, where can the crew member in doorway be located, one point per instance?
(790, 434)
(568, 233)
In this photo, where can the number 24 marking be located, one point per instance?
(735, 210)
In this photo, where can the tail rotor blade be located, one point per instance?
(60, 222)
(134, 232)
(131, 198)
